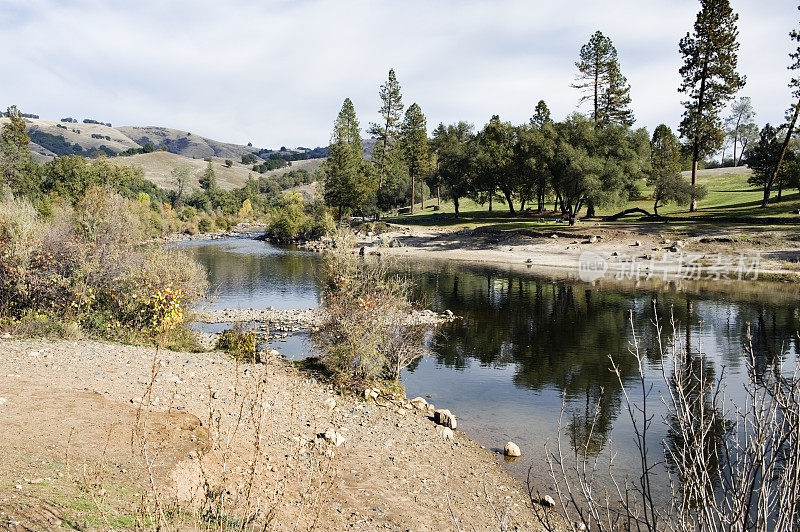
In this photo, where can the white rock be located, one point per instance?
(445, 432)
(547, 501)
(3, 400)
(444, 417)
(419, 403)
(335, 438)
(330, 403)
(592, 239)
(512, 449)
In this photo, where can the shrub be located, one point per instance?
(238, 342)
(87, 266)
(205, 224)
(228, 163)
(367, 334)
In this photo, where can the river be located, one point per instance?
(531, 349)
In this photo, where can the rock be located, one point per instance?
(666, 241)
(444, 417)
(680, 244)
(3, 401)
(674, 249)
(374, 394)
(615, 254)
(512, 449)
(554, 235)
(528, 261)
(448, 313)
(334, 437)
(445, 432)
(637, 243)
(547, 501)
(330, 403)
(592, 239)
(6, 336)
(419, 403)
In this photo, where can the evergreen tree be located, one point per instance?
(541, 114)
(709, 78)
(348, 183)
(415, 149)
(601, 81)
(17, 170)
(208, 181)
(794, 84)
(386, 132)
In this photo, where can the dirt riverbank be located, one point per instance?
(100, 436)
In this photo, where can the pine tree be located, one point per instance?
(541, 114)
(602, 82)
(386, 132)
(16, 168)
(709, 78)
(348, 184)
(208, 181)
(415, 148)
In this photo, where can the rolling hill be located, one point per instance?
(172, 148)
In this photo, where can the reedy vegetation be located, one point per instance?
(731, 466)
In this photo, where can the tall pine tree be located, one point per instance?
(415, 148)
(386, 132)
(348, 183)
(709, 79)
(602, 83)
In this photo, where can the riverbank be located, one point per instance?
(592, 253)
(99, 435)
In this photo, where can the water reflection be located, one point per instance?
(525, 342)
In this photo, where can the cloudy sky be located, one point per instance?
(275, 72)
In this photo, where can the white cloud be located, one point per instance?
(275, 73)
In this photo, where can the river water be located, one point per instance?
(532, 349)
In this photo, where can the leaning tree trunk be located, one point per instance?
(783, 154)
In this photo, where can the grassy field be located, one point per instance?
(730, 203)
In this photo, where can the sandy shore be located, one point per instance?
(91, 430)
(591, 253)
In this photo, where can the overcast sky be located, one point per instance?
(276, 72)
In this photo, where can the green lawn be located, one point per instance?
(729, 198)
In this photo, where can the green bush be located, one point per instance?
(238, 342)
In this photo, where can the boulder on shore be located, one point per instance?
(444, 417)
(512, 449)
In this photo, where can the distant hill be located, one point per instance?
(158, 167)
(51, 138)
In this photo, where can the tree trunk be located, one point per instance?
(438, 196)
(412, 193)
(655, 208)
(490, 201)
(510, 202)
(788, 138)
(455, 204)
(590, 212)
(693, 204)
